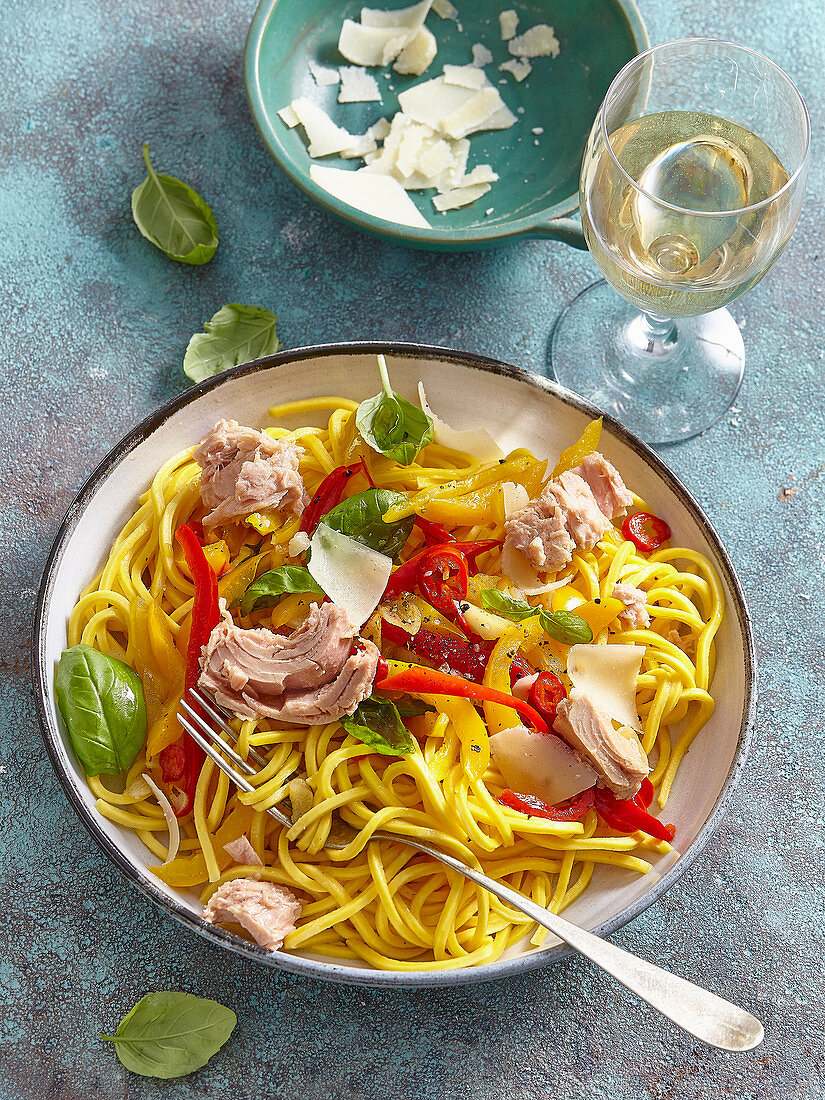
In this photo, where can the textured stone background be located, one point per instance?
(94, 327)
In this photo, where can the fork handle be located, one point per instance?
(710, 1018)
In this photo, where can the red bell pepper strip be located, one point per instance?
(546, 694)
(460, 657)
(205, 616)
(573, 809)
(628, 815)
(405, 577)
(430, 681)
(646, 532)
(329, 494)
(434, 534)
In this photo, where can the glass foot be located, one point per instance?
(666, 382)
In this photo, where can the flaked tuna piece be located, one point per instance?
(317, 673)
(635, 615)
(267, 911)
(584, 520)
(612, 495)
(246, 471)
(259, 664)
(616, 755)
(242, 851)
(539, 533)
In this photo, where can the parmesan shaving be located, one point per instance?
(515, 498)
(404, 18)
(607, 675)
(481, 55)
(418, 54)
(323, 76)
(539, 41)
(288, 117)
(514, 566)
(168, 815)
(444, 9)
(357, 86)
(465, 76)
(354, 576)
(519, 67)
(380, 196)
(477, 441)
(371, 46)
(298, 544)
(323, 135)
(508, 21)
(459, 196)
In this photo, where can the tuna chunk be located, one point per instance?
(243, 852)
(616, 755)
(538, 532)
(267, 911)
(606, 485)
(584, 520)
(310, 676)
(635, 614)
(247, 471)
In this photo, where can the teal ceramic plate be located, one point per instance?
(539, 173)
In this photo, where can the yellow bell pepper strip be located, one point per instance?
(217, 554)
(429, 681)
(567, 598)
(498, 674)
(472, 735)
(573, 455)
(599, 613)
(187, 871)
(234, 583)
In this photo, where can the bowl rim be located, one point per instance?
(331, 971)
(536, 224)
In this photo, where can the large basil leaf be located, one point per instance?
(378, 724)
(169, 1034)
(391, 425)
(565, 626)
(359, 517)
(174, 217)
(269, 587)
(235, 335)
(101, 702)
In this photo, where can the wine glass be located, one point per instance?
(691, 185)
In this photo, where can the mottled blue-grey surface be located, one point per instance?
(94, 325)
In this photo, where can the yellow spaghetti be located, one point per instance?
(381, 902)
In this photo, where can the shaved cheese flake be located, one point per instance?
(362, 146)
(323, 135)
(445, 10)
(607, 675)
(508, 21)
(288, 117)
(168, 816)
(371, 46)
(372, 193)
(404, 18)
(515, 497)
(482, 173)
(432, 100)
(539, 41)
(323, 76)
(418, 54)
(298, 544)
(481, 55)
(539, 764)
(515, 568)
(473, 114)
(354, 576)
(379, 129)
(503, 119)
(477, 441)
(357, 86)
(519, 67)
(465, 76)
(459, 196)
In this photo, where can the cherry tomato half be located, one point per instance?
(646, 532)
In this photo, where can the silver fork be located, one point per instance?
(710, 1018)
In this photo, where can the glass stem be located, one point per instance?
(651, 337)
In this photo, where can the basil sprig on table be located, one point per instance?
(174, 217)
(170, 1034)
(101, 702)
(565, 626)
(360, 517)
(391, 425)
(236, 334)
(377, 723)
(269, 587)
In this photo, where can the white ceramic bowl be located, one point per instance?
(520, 409)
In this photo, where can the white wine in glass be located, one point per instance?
(684, 209)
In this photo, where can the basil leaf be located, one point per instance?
(170, 1034)
(391, 425)
(269, 587)
(378, 724)
(410, 707)
(101, 702)
(565, 626)
(235, 335)
(174, 217)
(506, 606)
(360, 517)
